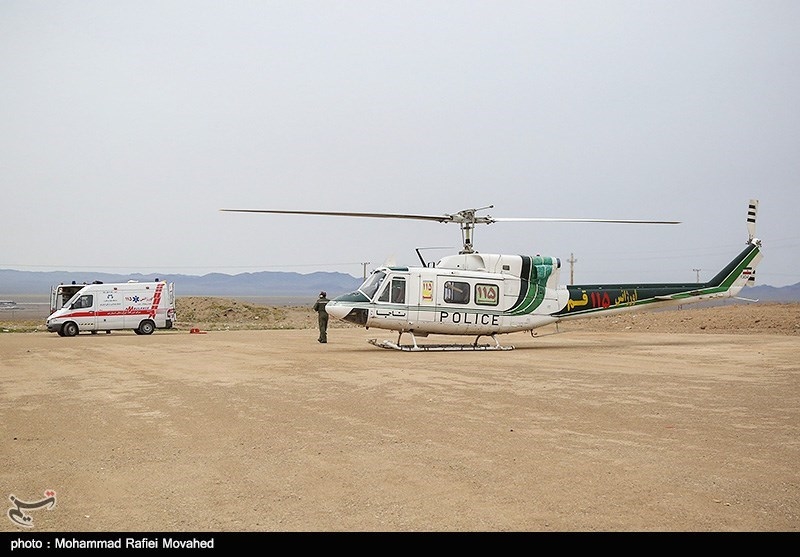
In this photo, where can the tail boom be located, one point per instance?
(603, 299)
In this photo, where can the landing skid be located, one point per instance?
(414, 347)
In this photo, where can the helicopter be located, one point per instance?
(486, 295)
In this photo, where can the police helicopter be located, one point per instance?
(486, 294)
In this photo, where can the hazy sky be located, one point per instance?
(126, 125)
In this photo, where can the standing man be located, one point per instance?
(319, 307)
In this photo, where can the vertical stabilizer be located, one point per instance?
(751, 219)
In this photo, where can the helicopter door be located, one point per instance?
(422, 305)
(391, 306)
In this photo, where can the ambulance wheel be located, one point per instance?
(147, 327)
(70, 329)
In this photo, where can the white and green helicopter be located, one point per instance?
(485, 295)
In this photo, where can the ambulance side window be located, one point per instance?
(84, 301)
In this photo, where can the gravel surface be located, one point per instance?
(620, 424)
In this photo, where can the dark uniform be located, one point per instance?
(319, 307)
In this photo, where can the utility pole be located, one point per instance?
(698, 274)
(572, 262)
(364, 269)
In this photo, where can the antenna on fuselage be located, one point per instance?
(424, 263)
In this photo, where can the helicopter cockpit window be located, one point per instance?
(372, 284)
(398, 290)
(456, 292)
(394, 292)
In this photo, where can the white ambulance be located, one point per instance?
(141, 307)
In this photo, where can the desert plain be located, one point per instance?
(678, 421)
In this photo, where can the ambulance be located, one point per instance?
(141, 307)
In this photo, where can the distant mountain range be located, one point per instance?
(773, 294)
(266, 283)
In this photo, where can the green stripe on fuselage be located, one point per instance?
(533, 284)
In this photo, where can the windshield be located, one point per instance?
(372, 284)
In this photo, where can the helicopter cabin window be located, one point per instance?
(456, 292)
(487, 294)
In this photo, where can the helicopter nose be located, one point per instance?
(346, 312)
(336, 310)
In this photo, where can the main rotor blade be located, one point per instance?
(458, 217)
(441, 218)
(618, 221)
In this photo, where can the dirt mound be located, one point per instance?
(216, 313)
(223, 313)
(212, 313)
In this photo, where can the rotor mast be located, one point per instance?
(467, 219)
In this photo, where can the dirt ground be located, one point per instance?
(687, 420)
